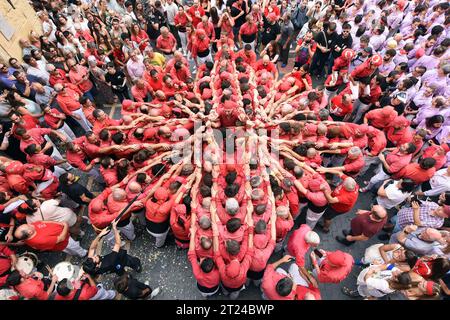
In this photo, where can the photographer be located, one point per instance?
(305, 50)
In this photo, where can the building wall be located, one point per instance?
(21, 20)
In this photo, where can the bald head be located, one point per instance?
(58, 87)
(321, 129)
(311, 152)
(380, 211)
(206, 203)
(134, 187)
(119, 194)
(204, 222)
(24, 232)
(354, 152)
(431, 234)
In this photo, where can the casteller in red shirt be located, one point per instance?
(46, 236)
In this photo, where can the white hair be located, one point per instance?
(312, 237)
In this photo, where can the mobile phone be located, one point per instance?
(318, 253)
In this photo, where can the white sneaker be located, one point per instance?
(146, 282)
(155, 293)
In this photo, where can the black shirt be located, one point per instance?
(386, 86)
(386, 101)
(270, 31)
(155, 17)
(135, 288)
(235, 12)
(342, 43)
(113, 262)
(75, 191)
(116, 79)
(325, 40)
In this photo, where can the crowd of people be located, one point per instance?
(222, 146)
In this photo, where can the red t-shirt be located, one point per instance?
(269, 282)
(87, 292)
(46, 235)
(208, 280)
(347, 199)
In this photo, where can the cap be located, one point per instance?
(376, 60)
(348, 54)
(368, 50)
(337, 258)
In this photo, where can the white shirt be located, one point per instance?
(51, 211)
(440, 182)
(394, 196)
(46, 26)
(171, 10)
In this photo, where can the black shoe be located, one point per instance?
(344, 241)
(321, 228)
(384, 236)
(345, 232)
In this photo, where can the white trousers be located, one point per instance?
(233, 295)
(204, 60)
(312, 217)
(84, 123)
(74, 249)
(65, 130)
(380, 176)
(103, 294)
(183, 40)
(159, 237)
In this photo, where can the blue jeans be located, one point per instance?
(89, 95)
(397, 228)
